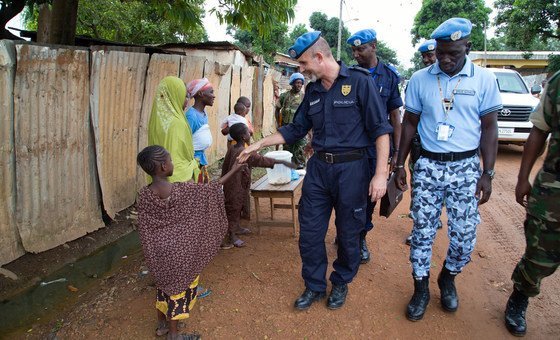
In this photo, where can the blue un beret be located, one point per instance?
(295, 77)
(302, 43)
(427, 46)
(362, 37)
(453, 29)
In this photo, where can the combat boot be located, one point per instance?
(446, 283)
(420, 299)
(515, 313)
(364, 252)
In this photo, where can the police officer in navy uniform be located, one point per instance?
(386, 78)
(346, 113)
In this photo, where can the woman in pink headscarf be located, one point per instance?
(203, 93)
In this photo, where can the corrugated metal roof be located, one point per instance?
(117, 90)
(161, 66)
(57, 196)
(10, 243)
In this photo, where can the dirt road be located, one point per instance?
(253, 288)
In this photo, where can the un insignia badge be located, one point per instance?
(455, 35)
(292, 53)
(357, 42)
(346, 89)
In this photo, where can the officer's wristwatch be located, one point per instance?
(490, 173)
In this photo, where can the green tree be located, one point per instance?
(296, 32)
(522, 21)
(434, 12)
(251, 40)
(134, 21)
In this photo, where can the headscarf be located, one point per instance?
(168, 127)
(295, 77)
(194, 86)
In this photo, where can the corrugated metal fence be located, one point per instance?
(72, 121)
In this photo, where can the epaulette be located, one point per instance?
(393, 69)
(361, 69)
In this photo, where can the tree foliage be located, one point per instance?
(523, 21)
(260, 16)
(133, 21)
(251, 40)
(434, 12)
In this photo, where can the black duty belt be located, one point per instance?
(448, 156)
(341, 157)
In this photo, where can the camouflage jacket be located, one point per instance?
(545, 196)
(288, 104)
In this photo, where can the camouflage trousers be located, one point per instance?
(297, 149)
(542, 255)
(435, 183)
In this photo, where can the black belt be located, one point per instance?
(448, 156)
(342, 157)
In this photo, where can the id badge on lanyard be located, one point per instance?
(445, 130)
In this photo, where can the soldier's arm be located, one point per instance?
(531, 151)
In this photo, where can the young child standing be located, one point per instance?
(181, 226)
(237, 189)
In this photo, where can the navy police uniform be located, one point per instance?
(386, 78)
(345, 119)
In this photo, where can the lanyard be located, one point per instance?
(447, 104)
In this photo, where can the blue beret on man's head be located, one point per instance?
(453, 29)
(302, 43)
(427, 46)
(296, 76)
(362, 37)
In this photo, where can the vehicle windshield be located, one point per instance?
(510, 83)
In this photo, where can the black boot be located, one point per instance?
(307, 298)
(364, 252)
(337, 297)
(515, 313)
(446, 283)
(419, 301)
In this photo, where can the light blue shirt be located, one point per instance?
(196, 120)
(477, 94)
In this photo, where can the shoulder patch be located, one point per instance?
(361, 69)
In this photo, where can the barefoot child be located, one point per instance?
(237, 189)
(181, 226)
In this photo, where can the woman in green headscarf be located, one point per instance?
(168, 127)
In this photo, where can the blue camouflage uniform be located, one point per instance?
(344, 120)
(473, 93)
(386, 78)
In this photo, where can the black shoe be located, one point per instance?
(337, 297)
(307, 298)
(364, 252)
(515, 313)
(446, 283)
(420, 299)
(408, 240)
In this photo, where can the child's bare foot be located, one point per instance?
(162, 328)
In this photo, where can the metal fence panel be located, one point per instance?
(269, 122)
(191, 68)
(161, 66)
(117, 83)
(247, 74)
(10, 242)
(57, 198)
(220, 76)
(235, 90)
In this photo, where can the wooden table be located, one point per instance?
(262, 189)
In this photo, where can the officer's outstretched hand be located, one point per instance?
(377, 187)
(245, 154)
(483, 185)
(400, 179)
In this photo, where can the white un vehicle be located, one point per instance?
(513, 120)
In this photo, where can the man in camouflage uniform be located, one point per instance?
(286, 108)
(542, 224)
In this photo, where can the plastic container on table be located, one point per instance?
(280, 174)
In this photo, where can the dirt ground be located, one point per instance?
(253, 288)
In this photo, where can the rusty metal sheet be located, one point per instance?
(257, 109)
(57, 197)
(220, 76)
(268, 121)
(161, 66)
(235, 92)
(117, 89)
(10, 242)
(247, 74)
(192, 67)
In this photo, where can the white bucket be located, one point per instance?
(280, 174)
